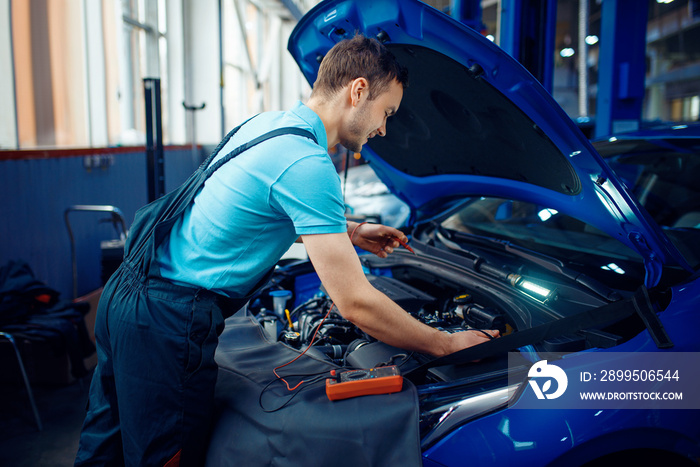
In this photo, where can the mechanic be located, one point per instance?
(196, 255)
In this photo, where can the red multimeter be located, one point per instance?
(353, 383)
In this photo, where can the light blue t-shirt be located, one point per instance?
(255, 206)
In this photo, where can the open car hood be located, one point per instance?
(474, 122)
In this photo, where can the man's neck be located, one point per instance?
(330, 111)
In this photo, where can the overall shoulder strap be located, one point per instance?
(222, 143)
(256, 141)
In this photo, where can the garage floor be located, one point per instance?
(61, 408)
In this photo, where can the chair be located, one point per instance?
(11, 339)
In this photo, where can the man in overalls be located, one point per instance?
(196, 255)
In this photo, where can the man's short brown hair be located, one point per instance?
(359, 57)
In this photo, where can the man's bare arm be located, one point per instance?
(339, 269)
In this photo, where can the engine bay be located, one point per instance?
(296, 310)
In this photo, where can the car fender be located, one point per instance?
(654, 438)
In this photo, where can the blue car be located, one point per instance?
(584, 255)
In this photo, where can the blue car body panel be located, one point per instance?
(572, 437)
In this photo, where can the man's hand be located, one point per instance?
(375, 238)
(470, 338)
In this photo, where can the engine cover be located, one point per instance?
(407, 297)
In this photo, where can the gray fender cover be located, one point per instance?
(307, 429)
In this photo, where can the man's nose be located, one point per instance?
(381, 131)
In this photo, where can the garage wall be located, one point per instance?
(37, 187)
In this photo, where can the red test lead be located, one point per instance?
(404, 244)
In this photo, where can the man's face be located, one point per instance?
(369, 117)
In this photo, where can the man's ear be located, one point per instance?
(359, 90)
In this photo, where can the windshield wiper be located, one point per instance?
(450, 238)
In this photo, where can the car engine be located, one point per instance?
(314, 320)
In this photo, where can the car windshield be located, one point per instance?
(545, 231)
(663, 176)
